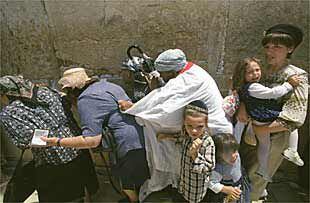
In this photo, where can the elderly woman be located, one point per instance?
(279, 43)
(61, 174)
(98, 108)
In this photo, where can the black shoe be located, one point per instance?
(126, 199)
(264, 176)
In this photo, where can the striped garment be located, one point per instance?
(195, 174)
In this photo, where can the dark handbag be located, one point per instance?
(22, 183)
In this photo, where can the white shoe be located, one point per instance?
(265, 193)
(257, 201)
(293, 156)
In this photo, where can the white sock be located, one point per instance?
(293, 140)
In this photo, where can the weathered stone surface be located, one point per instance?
(248, 20)
(99, 32)
(26, 40)
(38, 37)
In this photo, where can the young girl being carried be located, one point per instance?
(263, 105)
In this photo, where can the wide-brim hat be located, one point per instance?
(291, 30)
(74, 78)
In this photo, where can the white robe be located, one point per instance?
(162, 111)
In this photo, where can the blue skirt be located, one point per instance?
(132, 169)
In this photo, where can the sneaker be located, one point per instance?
(264, 195)
(126, 199)
(293, 156)
(257, 201)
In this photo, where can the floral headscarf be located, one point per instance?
(16, 86)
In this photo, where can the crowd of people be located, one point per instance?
(182, 135)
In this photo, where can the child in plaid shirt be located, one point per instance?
(198, 153)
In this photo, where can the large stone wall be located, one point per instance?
(37, 37)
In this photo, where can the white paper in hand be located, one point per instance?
(36, 140)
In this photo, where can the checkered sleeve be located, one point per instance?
(205, 161)
(294, 111)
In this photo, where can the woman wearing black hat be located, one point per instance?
(279, 42)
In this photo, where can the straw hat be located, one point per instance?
(74, 78)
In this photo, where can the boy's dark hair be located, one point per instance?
(239, 72)
(279, 38)
(285, 34)
(224, 143)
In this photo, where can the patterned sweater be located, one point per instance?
(294, 111)
(48, 111)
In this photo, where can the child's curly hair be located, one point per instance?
(238, 78)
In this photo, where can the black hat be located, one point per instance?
(291, 30)
(198, 105)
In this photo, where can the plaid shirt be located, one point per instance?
(195, 173)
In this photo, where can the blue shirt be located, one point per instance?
(98, 108)
(224, 172)
(262, 110)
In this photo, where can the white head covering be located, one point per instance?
(170, 60)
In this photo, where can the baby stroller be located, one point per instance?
(140, 69)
